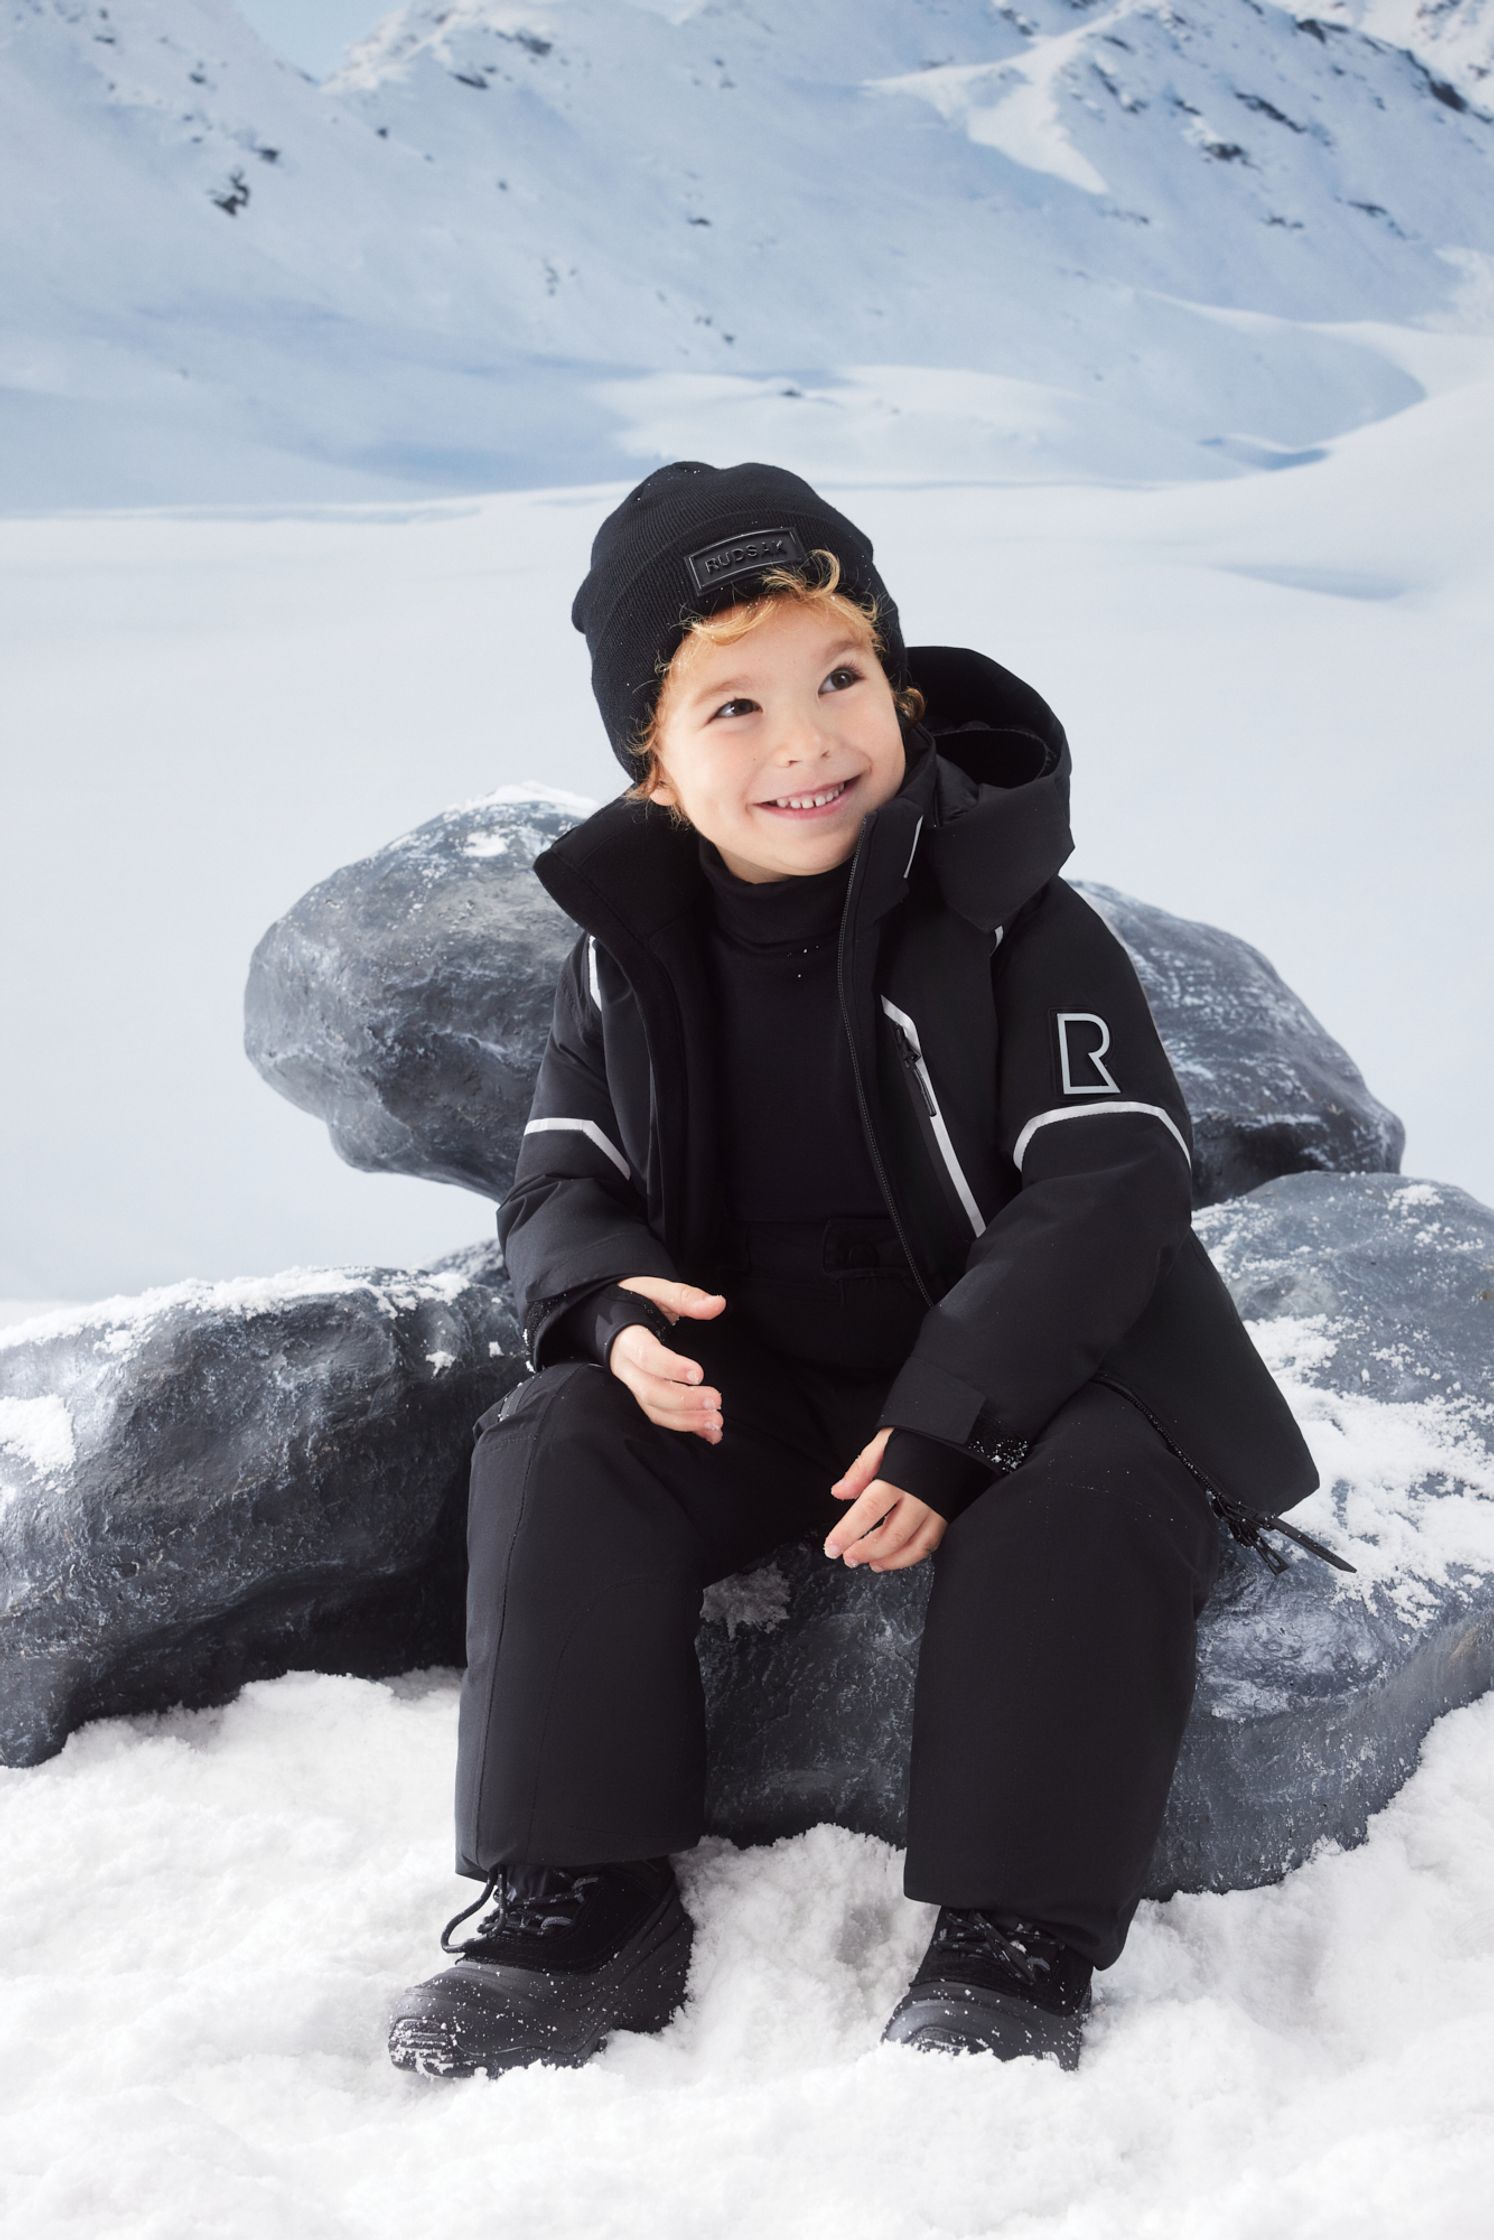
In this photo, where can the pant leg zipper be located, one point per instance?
(1246, 1525)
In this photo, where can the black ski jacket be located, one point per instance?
(1019, 1109)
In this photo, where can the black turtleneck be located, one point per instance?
(792, 1146)
(793, 1151)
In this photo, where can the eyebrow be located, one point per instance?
(722, 686)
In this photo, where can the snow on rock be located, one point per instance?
(216, 1481)
(405, 1000)
(1372, 1298)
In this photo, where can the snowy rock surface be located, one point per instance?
(405, 1001)
(1372, 1297)
(212, 1483)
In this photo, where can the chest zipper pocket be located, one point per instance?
(911, 1052)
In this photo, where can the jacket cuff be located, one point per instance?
(589, 1324)
(927, 1398)
(943, 1478)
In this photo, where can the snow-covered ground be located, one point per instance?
(208, 1912)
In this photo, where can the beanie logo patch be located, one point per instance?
(740, 556)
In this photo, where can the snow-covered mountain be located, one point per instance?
(516, 244)
(1454, 37)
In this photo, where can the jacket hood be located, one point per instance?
(985, 803)
(999, 809)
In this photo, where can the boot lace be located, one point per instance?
(1021, 1946)
(534, 1912)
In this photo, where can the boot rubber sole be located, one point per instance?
(486, 2016)
(953, 2017)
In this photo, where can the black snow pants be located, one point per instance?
(1058, 1656)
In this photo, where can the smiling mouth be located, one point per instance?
(827, 800)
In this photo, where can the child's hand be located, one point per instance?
(667, 1385)
(909, 1531)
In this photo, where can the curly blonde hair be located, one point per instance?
(730, 623)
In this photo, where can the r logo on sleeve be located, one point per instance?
(1081, 1039)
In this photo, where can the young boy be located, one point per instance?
(855, 1197)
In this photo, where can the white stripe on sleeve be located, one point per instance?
(595, 1134)
(1088, 1111)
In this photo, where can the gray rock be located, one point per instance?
(1268, 1089)
(217, 1482)
(405, 1001)
(1373, 1298)
(213, 1483)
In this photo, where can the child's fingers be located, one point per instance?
(922, 1543)
(862, 1471)
(678, 1367)
(683, 1406)
(897, 1528)
(688, 1298)
(668, 1386)
(863, 1513)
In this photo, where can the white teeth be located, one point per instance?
(811, 800)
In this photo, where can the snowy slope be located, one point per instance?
(504, 243)
(1455, 38)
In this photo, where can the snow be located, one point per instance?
(209, 1912)
(1256, 744)
(759, 1598)
(297, 500)
(434, 272)
(119, 1325)
(40, 1430)
(1407, 1487)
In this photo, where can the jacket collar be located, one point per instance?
(985, 803)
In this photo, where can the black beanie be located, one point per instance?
(690, 539)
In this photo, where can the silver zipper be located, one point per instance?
(842, 953)
(913, 1058)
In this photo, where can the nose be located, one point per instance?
(802, 741)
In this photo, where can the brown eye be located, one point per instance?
(853, 674)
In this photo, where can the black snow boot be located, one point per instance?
(567, 1955)
(990, 1982)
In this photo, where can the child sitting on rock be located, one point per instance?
(855, 1198)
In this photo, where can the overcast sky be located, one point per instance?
(317, 36)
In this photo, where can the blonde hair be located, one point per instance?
(730, 623)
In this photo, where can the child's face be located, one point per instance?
(796, 707)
